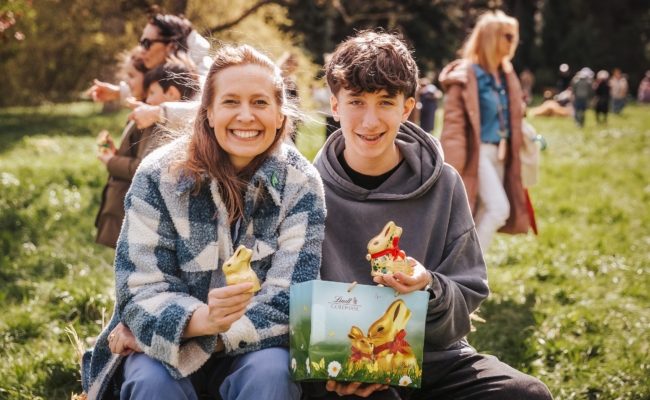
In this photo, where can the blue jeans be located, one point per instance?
(243, 377)
(617, 105)
(579, 107)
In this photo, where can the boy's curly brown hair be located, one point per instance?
(372, 61)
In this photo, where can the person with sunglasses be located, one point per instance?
(164, 35)
(482, 131)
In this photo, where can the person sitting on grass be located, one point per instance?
(174, 80)
(178, 331)
(380, 167)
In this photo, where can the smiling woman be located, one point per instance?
(232, 182)
(245, 115)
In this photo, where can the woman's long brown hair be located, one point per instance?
(205, 156)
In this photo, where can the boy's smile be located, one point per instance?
(370, 122)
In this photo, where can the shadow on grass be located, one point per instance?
(507, 332)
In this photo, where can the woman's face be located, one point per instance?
(507, 40)
(157, 51)
(244, 114)
(134, 79)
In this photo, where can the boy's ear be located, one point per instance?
(334, 104)
(409, 104)
(173, 94)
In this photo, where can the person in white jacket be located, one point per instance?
(164, 35)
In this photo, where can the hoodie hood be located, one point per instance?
(422, 166)
(454, 73)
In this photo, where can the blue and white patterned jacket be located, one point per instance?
(171, 249)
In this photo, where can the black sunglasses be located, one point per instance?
(147, 43)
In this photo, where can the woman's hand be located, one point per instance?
(121, 341)
(225, 306)
(102, 91)
(145, 115)
(404, 283)
(133, 103)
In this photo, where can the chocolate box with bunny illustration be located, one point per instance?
(356, 333)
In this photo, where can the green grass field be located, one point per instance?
(569, 306)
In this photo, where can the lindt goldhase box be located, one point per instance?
(357, 333)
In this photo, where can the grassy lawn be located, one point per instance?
(569, 306)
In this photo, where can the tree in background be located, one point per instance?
(51, 50)
(600, 34)
(433, 28)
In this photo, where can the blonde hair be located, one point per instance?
(482, 44)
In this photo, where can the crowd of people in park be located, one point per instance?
(602, 91)
(207, 162)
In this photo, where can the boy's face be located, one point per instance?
(134, 79)
(369, 122)
(156, 95)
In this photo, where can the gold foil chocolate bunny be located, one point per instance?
(238, 269)
(384, 253)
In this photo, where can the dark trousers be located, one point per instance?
(472, 376)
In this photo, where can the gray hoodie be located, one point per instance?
(427, 199)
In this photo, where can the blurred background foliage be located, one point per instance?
(50, 50)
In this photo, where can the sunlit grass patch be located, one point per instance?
(569, 306)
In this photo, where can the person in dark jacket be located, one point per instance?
(602, 93)
(121, 162)
(174, 80)
(380, 167)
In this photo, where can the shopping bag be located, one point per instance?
(362, 333)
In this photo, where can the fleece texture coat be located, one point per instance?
(173, 244)
(427, 199)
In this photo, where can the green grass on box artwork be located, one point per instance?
(366, 334)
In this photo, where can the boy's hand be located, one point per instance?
(121, 341)
(404, 283)
(145, 115)
(103, 91)
(354, 388)
(106, 149)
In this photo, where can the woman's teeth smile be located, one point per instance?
(244, 134)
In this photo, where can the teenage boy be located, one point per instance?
(379, 167)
